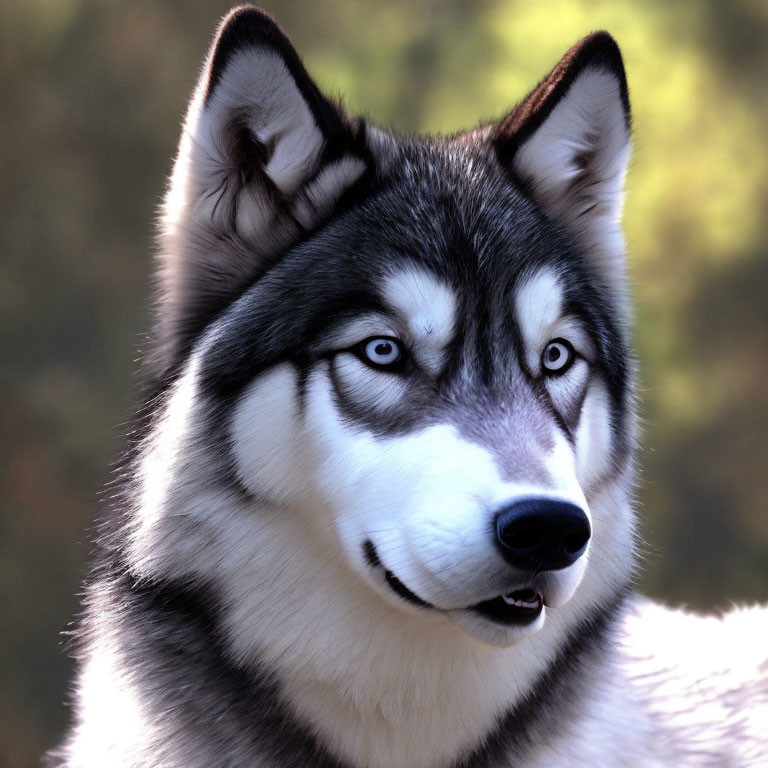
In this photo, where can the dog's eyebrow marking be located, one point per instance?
(538, 308)
(368, 324)
(428, 308)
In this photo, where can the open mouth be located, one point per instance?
(518, 608)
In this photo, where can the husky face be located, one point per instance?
(409, 353)
(414, 405)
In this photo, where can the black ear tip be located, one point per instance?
(597, 51)
(246, 23)
(601, 38)
(246, 26)
(601, 48)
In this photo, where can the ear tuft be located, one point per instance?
(567, 144)
(263, 160)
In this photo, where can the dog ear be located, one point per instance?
(568, 144)
(263, 159)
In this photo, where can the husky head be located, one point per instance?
(393, 373)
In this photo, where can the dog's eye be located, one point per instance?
(381, 352)
(557, 357)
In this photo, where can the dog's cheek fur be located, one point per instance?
(267, 438)
(594, 437)
(188, 518)
(426, 499)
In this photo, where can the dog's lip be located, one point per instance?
(504, 608)
(374, 561)
(400, 589)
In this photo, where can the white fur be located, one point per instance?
(109, 698)
(593, 437)
(538, 307)
(267, 438)
(428, 308)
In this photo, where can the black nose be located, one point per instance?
(542, 534)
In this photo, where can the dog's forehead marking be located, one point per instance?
(428, 308)
(538, 307)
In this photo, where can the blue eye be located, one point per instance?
(557, 357)
(381, 352)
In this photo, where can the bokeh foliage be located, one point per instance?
(91, 96)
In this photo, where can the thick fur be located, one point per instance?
(293, 571)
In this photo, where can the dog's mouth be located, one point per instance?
(518, 608)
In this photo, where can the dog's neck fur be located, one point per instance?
(413, 692)
(626, 704)
(427, 718)
(380, 685)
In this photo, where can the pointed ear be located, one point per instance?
(568, 144)
(264, 158)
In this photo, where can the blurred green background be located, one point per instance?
(91, 97)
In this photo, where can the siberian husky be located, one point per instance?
(377, 507)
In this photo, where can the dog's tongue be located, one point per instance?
(523, 598)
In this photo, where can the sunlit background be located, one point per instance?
(91, 96)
